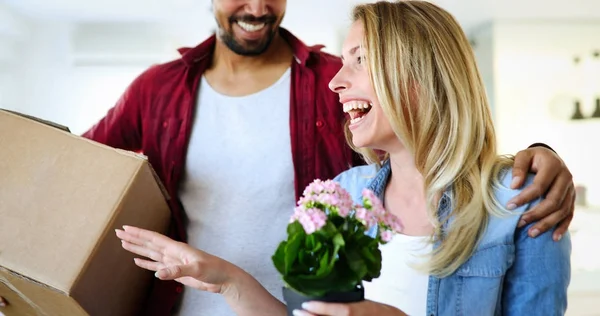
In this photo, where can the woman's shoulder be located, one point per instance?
(502, 223)
(503, 191)
(356, 179)
(363, 173)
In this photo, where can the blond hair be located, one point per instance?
(426, 79)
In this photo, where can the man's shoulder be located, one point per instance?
(163, 72)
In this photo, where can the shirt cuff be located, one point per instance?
(542, 145)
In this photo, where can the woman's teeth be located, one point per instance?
(357, 110)
(356, 105)
(357, 119)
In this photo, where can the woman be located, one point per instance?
(412, 90)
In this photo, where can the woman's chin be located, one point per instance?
(360, 141)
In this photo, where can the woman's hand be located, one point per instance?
(172, 260)
(364, 308)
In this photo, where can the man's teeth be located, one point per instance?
(356, 105)
(250, 27)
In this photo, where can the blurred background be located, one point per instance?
(68, 61)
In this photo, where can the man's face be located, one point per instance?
(247, 27)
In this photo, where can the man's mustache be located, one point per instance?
(267, 19)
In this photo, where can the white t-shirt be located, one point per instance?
(238, 188)
(400, 284)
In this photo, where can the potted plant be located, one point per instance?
(332, 245)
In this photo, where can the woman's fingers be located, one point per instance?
(149, 237)
(149, 265)
(142, 251)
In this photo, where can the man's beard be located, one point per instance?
(241, 48)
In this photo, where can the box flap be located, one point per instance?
(19, 304)
(111, 266)
(57, 193)
(49, 123)
(28, 298)
(124, 152)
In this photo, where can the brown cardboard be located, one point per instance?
(61, 198)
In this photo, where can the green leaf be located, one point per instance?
(324, 265)
(356, 263)
(372, 259)
(291, 251)
(309, 242)
(338, 241)
(278, 258)
(295, 228)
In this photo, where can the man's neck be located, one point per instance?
(278, 52)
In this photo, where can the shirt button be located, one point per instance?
(165, 124)
(320, 123)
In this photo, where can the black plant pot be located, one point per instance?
(294, 300)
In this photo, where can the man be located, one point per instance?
(238, 126)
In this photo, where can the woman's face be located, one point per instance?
(368, 124)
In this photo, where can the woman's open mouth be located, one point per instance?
(357, 110)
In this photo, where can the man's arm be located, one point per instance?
(121, 127)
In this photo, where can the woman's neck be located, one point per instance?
(404, 173)
(405, 195)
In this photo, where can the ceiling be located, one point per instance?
(470, 13)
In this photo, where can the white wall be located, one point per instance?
(12, 31)
(483, 46)
(72, 73)
(56, 78)
(533, 83)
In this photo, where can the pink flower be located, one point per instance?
(344, 211)
(387, 235)
(311, 219)
(370, 199)
(393, 222)
(315, 187)
(327, 195)
(297, 213)
(365, 216)
(306, 199)
(328, 199)
(384, 218)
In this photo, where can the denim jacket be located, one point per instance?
(509, 273)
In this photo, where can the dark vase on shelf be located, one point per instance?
(577, 115)
(597, 110)
(294, 299)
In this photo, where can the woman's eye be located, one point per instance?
(359, 60)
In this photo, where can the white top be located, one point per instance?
(400, 284)
(238, 188)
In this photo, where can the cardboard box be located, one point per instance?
(61, 198)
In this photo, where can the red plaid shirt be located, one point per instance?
(154, 116)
